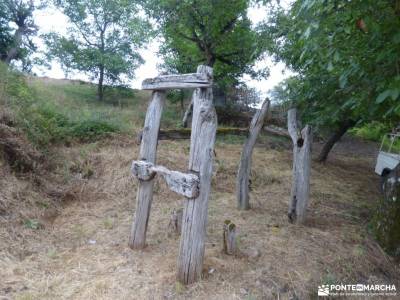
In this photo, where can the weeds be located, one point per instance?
(32, 224)
(59, 111)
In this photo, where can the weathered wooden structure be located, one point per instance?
(229, 240)
(195, 185)
(302, 142)
(243, 176)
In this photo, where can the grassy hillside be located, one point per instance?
(54, 111)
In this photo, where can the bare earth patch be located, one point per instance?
(81, 252)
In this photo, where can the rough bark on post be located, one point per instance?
(148, 150)
(301, 168)
(204, 125)
(185, 184)
(243, 176)
(229, 237)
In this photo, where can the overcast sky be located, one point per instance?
(52, 20)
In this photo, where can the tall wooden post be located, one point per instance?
(204, 125)
(301, 168)
(148, 150)
(243, 176)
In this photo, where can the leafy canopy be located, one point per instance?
(213, 32)
(346, 54)
(103, 38)
(17, 28)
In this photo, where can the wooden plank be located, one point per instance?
(182, 81)
(277, 131)
(204, 125)
(301, 169)
(243, 176)
(148, 150)
(184, 133)
(184, 184)
(142, 170)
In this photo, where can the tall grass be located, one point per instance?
(45, 120)
(53, 111)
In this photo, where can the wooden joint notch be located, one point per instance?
(182, 81)
(181, 183)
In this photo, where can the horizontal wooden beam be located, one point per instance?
(181, 183)
(184, 133)
(181, 81)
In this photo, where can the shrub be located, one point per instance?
(89, 130)
(373, 131)
(45, 121)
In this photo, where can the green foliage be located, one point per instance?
(43, 120)
(215, 33)
(17, 28)
(373, 131)
(103, 39)
(346, 55)
(32, 224)
(90, 130)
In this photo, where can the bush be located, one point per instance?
(373, 131)
(89, 130)
(43, 121)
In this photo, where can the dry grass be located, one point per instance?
(82, 253)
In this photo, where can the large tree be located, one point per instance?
(17, 28)
(217, 33)
(103, 39)
(346, 55)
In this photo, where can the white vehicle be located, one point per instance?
(389, 156)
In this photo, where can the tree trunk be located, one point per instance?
(301, 169)
(204, 125)
(148, 151)
(100, 88)
(243, 176)
(13, 52)
(182, 102)
(343, 127)
(187, 114)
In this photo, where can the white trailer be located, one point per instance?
(389, 157)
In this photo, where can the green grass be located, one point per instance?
(78, 102)
(373, 131)
(53, 111)
(122, 108)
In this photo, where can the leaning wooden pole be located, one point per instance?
(302, 142)
(243, 176)
(204, 125)
(148, 150)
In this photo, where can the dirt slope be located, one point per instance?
(82, 252)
